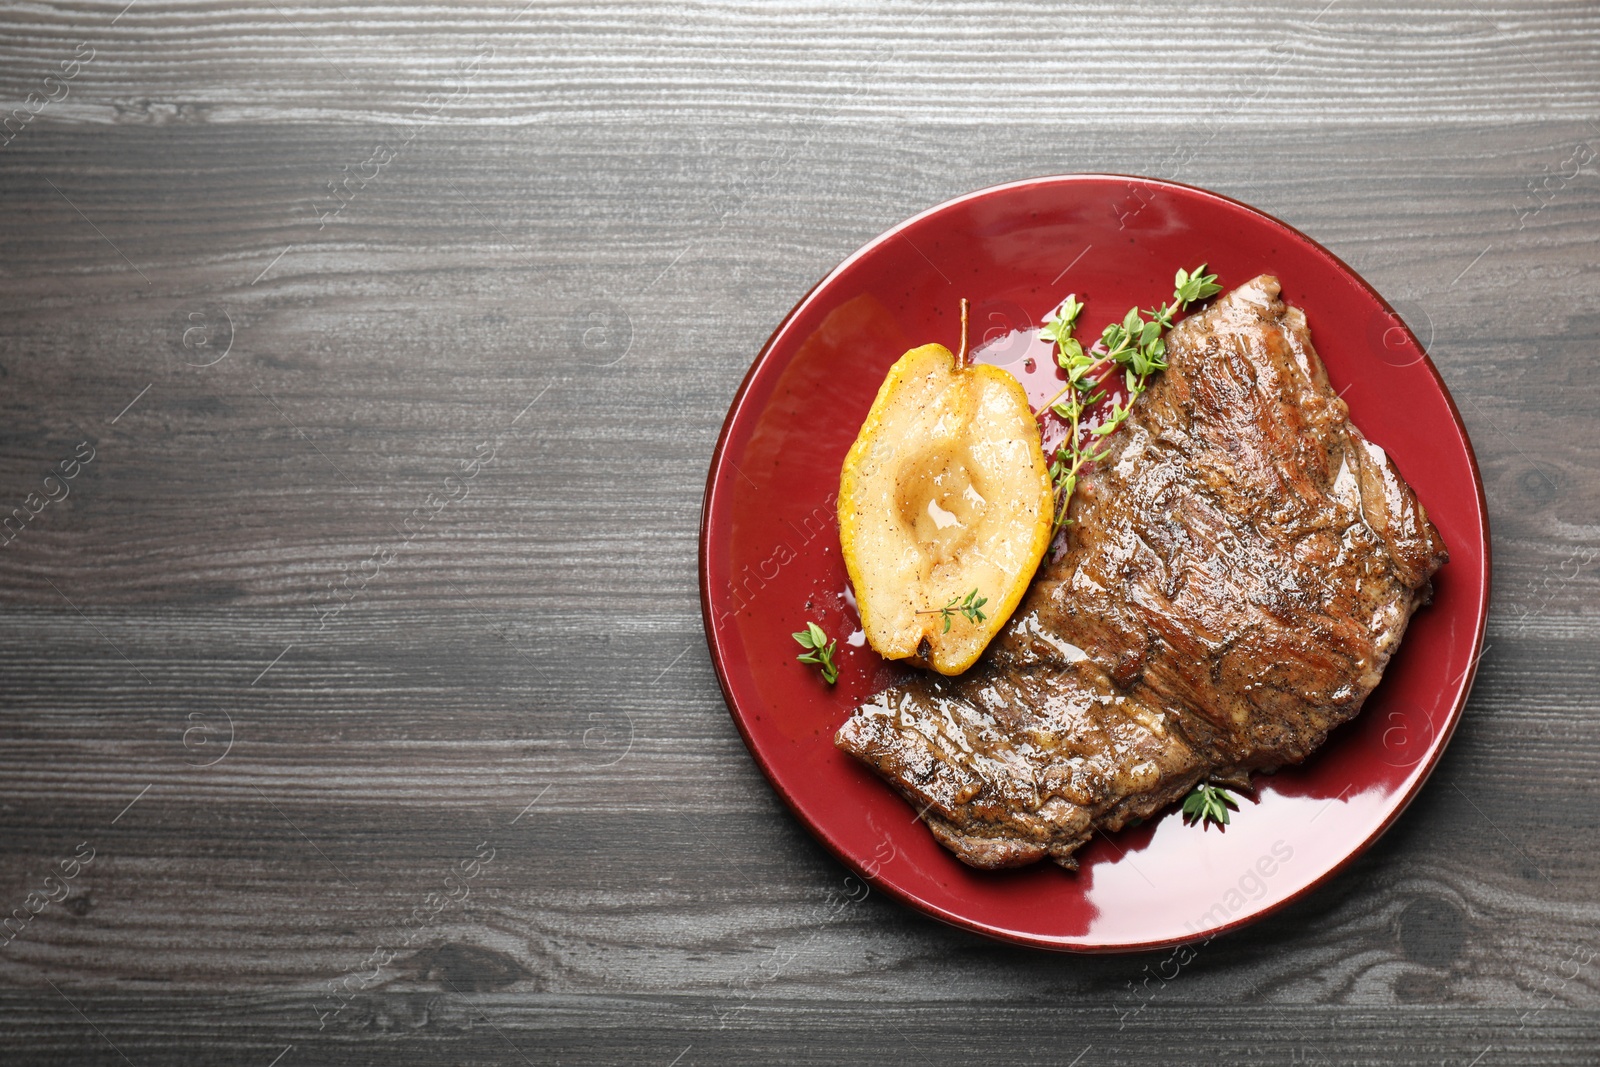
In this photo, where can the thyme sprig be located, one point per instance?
(971, 607)
(1137, 344)
(820, 651)
(1208, 803)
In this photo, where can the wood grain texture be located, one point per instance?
(280, 798)
(1038, 63)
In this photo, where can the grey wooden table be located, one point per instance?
(359, 371)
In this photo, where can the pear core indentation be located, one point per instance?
(941, 502)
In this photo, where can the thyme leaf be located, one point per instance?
(970, 607)
(1208, 804)
(1137, 345)
(820, 651)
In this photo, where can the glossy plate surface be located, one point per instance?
(769, 551)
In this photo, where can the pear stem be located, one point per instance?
(961, 356)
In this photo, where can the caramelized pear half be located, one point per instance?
(945, 491)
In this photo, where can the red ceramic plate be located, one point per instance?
(769, 551)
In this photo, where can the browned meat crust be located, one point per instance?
(1238, 573)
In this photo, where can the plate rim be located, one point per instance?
(952, 918)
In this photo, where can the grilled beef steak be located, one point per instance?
(1238, 572)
